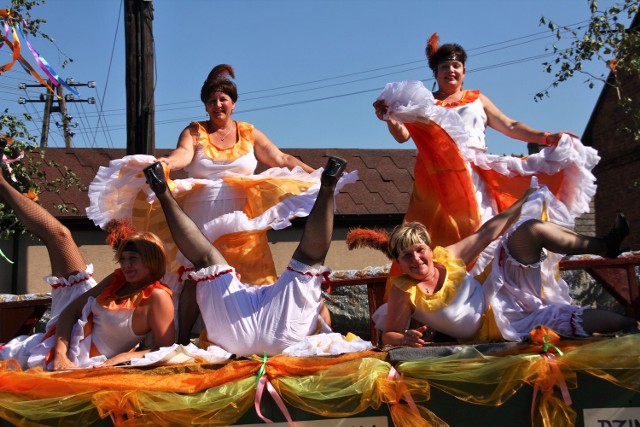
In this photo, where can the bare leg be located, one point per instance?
(188, 237)
(64, 255)
(318, 230)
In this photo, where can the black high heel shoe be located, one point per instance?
(333, 170)
(615, 236)
(155, 177)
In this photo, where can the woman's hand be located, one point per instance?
(396, 129)
(167, 161)
(413, 337)
(121, 358)
(552, 139)
(381, 108)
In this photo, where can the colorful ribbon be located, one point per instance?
(261, 382)
(404, 393)
(14, 45)
(547, 342)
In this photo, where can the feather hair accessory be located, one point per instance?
(368, 238)
(432, 45)
(117, 231)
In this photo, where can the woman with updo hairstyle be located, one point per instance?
(220, 156)
(458, 186)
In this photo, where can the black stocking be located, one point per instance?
(526, 243)
(318, 230)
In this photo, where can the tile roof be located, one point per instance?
(384, 188)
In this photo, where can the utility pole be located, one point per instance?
(49, 108)
(138, 19)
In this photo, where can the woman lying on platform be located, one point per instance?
(243, 319)
(521, 292)
(92, 324)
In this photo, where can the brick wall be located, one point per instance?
(618, 173)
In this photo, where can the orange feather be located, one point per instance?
(118, 230)
(368, 238)
(432, 44)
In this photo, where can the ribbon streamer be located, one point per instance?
(261, 383)
(14, 45)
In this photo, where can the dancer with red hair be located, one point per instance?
(93, 324)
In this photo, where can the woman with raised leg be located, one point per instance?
(246, 320)
(118, 312)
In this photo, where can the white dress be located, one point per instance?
(259, 319)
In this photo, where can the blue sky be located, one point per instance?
(307, 71)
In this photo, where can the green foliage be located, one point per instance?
(28, 175)
(607, 40)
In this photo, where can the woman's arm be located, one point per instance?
(396, 129)
(270, 155)
(470, 247)
(67, 319)
(183, 154)
(161, 319)
(399, 314)
(515, 129)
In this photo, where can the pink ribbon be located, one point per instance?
(559, 381)
(7, 161)
(395, 375)
(262, 382)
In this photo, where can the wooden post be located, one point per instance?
(46, 118)
(138, 18)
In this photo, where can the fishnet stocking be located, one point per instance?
(64, 255)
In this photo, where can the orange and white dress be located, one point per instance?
(458, 185)
(104, 330)
(233, 206)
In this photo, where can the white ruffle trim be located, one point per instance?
(410, 101)
(72, 280)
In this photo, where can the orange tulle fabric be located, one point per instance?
(247, 251)
(339, 386)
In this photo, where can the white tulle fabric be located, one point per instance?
(410, 101)
(114, 189)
